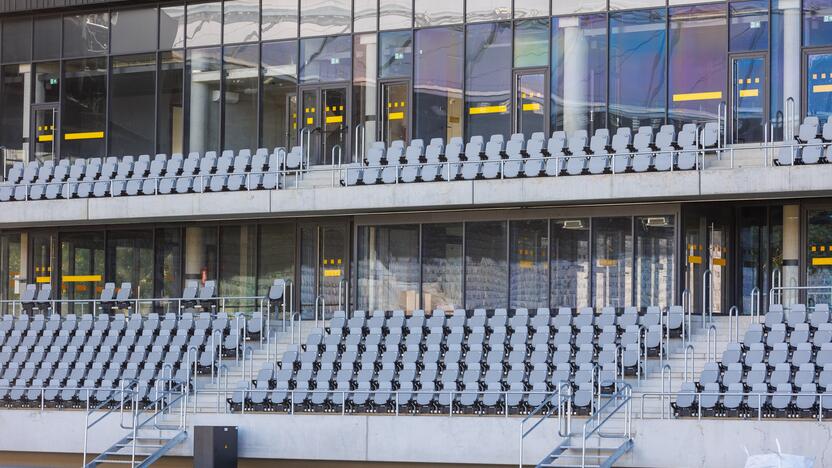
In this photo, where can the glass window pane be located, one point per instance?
(365, 15)
(47, 82)
(488, 79)
(11, 279)
(84, 105)
(325, 59)
(365, 67)
(276, 255)
(86, 34)
(280, 79)
(82, 254)
(561, 7)
(203, 107)
(201, 253)
(396, 50)
(168, 267)
(817, 28)
(133, 31)
(132, 92)
(697, 62)
(570, 263)
(13, 127)
(171, 118)
(818, 270)
(612, 262)
(47, 38)
(531, 8)
(531, 43)
(438, 83)
(241, 21)
(749, 25)
(579, 73)
(438, 12)
(238, 245)
(204, 24)
(388, 267)
(241, 74)
(395, 14)
(172, 27)
(637, 69)
(442, 266)
(488, 10)
(130, 260)
(655, 260)
(17, 40)
(325, 17)
(632, 4)
(280, 19)
(529, 269)
(486, 268)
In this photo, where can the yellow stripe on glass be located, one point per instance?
(43, 279)
(749, 92)
(822, 88)
(80, 278)
(531, 106)
(822, 261)
(685, 97)
(488, 110)
(84, 136)
(395, 116)
(45, 138)
(334, 119)
(329, 273)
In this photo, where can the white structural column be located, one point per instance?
(791, 58)
(790, 273)
(575, 75)
(200, 94)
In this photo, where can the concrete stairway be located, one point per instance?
(750, 155)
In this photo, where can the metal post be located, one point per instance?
(755, 305)
(733, 329)
(707, 290)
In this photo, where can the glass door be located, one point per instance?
(310, 125)
(82, 269)
(530, 102)
(324, 250)
(749, 109)
(395, 115)
(818, 84)
(323, 114)
(44, 128)
(707, 237)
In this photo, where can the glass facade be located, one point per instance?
(220, 80)
(388, 267)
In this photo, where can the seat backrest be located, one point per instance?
(643, 138)
(208, 290)
(107, 292)
(473, 148)
(45, 293)
(807, 131)
(577, 140)
(191, 289)
(125, 291)
(29, 293)
(374, 156)
(276, 290)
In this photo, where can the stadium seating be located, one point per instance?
(475, 362)
(811, 145)
(782, 368)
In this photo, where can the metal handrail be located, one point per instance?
(336, 150)
(776, 282)
(214, 353)
(789, 124)
(292, 330)
(734, 328)
(306, 145)
(624, 394)
(712, 332)
(320, 303)
(686, 316)
(689, 378)
(341, 292)
(707, 295)
(669, 381)
(745, 395)
(755, 304)
(563, 419)
(237, 327)
(288, 284)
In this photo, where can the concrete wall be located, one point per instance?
(715, 184)
(436, 439)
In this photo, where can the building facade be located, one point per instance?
(114, 79)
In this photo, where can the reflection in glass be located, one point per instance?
(395, 14)
(531, 8)
(531, 43)
(579, 73)
(561, 7)
(529, 268)
(172, 27)
(241, 75)
(570, 263)
(241, 21)
(325, 59)
(275, 255)
(655, 260)
(437, 83)
(130, 260)
(170, 119)
(132, 92)
(817, 29)
(280, 19)
(10, 281)
(365, 15)
(47, 82)
(612, 261)
(11, 113)
(438, 12)
(819, 231)
(365, 66)
(17, 40)
(82, 269)
(318, 17)
(86, 34)
(488, 10)
(637, 68)
(201, 253)
(47, 38)
(818, 77)
(749, 25)
(442, 266)
(388, 267)
(486, 268)
(279, 64)
(396, 50)
(84, 108)
(238, 244)
(168, 253)
(697, 63)
(488, 79)
(204, 108)
(134, 30)
(204, 24)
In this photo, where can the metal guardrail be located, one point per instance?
(761, 399)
